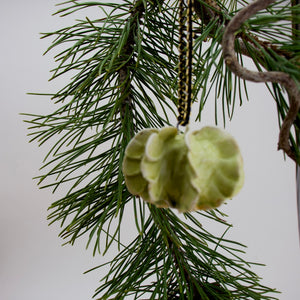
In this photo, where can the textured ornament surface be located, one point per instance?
(188, 171)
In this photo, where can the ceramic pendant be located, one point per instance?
(188, 171)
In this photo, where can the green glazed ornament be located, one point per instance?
(188, 171)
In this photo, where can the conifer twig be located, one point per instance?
(213, 11)
(270, 76)
(124, 72)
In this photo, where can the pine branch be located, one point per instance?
(105, 102)
(211, 10)
(124, 79)
(270, 54)
(125, 76)
(175, 260)
(279, 77)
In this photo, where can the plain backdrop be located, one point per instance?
(34, 265)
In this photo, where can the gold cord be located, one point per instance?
(185, 61)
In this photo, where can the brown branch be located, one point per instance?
(211, 11)
(277, 77)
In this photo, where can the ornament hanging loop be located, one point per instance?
(185, 67)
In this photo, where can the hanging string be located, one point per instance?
(185, 61)
(182, 59)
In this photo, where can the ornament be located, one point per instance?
(188, 171)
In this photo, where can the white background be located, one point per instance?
(33, 265)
